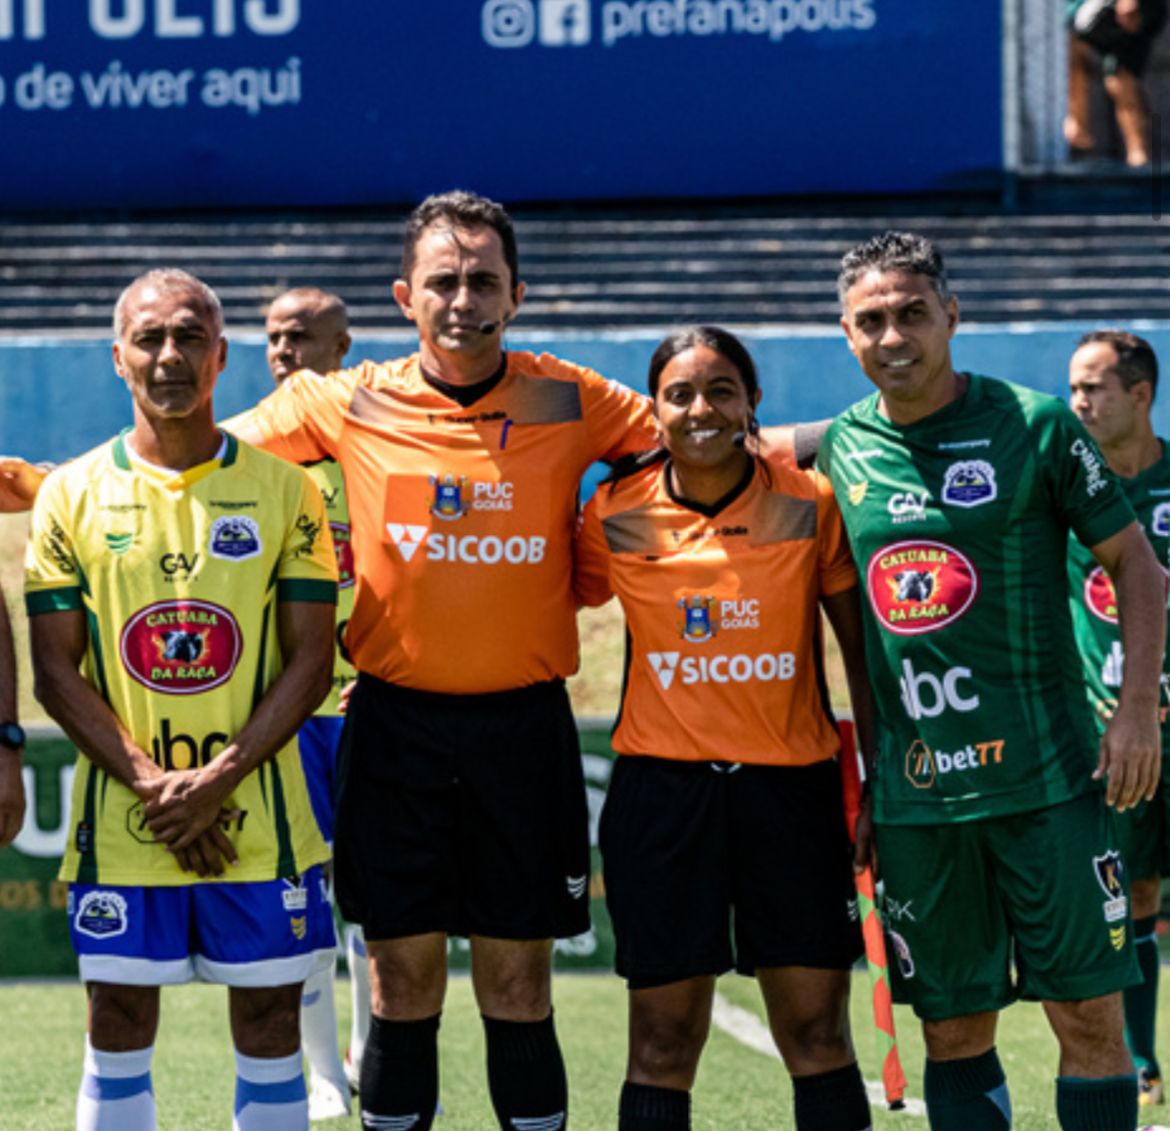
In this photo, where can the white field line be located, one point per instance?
(749, 1030)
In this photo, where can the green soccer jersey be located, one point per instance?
(178, 576)
(1094, 603)
(959, 525)
(326, 474)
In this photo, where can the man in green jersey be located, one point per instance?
(1113, 376)
(1002, 872)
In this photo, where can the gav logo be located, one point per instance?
(920, 586)
(181, 647)
(559, 23)
(908, 506)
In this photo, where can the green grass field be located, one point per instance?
(738, 1087)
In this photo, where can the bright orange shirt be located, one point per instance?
(462, 518)
(724, 661)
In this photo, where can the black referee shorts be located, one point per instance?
(464, 814)
(714, 865)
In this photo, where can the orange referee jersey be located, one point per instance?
(723, 613)
(462, 518)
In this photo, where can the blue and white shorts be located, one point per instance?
(318, 739)
(268, 933)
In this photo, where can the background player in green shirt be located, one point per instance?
(1113, 377)
(1000, 862)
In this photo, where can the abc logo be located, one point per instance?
(514, 23)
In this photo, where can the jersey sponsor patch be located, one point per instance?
(1100, 596)
(700, 621)
(181, 647)
(447, 498)
(235, 538)
(343, 549)
(925, 766)
(101, 915)
(1160, 520)
(920, 586)
(969, 483)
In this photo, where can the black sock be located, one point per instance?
(400, 1072)
(969, 1094)
(645, 1108)
(831, 1101)
(526, 1075)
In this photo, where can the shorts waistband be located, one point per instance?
(530, 693)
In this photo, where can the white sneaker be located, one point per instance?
(327, 1101)
(353, 1073)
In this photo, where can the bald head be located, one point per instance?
(307, 328)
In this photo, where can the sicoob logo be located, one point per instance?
(343, 549)
(181, 647)
(917, 587)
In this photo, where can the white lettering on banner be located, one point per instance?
(568, 23)
(251, 89)
(32, 22)
(34, 839)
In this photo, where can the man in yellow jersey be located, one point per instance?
(180, 587)
(461, 805)
(11, 736)
(308, 328)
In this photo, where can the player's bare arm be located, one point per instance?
(1131, 750)
(11, 784)
(844, 613)
(183, 804)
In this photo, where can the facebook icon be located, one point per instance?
(564, 23)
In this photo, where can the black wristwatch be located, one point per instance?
(11, 735)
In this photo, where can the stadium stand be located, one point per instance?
(740, 265)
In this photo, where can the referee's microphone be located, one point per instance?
(488, 327)
(739, 438)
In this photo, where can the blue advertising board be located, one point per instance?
(164, 103)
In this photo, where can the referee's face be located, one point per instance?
(170, 352)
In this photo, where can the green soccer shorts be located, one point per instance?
(980, 913)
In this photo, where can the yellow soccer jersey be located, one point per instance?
(179, 576)
(327, 475)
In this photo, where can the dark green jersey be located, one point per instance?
(1094, 604)
(959, 525)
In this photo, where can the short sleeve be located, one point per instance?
(52, 578)
(308, 566)
(619, 420)
(591, 584)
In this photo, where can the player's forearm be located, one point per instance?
(1141, 601)
(7, 666)
(299, 689)
(90, 724)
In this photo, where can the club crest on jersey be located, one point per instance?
(920, 586)
(700, 621)
(969, 483)
(101, 915)
(181, 647)
(1109, 871)
(343, 549)
(1160, 520)
(448, 501)
(235, 538)
(857, 492)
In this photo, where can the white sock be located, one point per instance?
(359, 972)
(319, 1029)
(270, 1094)
(116, 1092)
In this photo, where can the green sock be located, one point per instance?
(1141, 1001)
(967, 1095)
(1109, 1104)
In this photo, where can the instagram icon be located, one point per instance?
(509, 23)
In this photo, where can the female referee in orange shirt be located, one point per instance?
(723, 836)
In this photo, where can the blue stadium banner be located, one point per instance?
(140, 103)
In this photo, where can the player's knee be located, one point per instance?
(815, 1043)
(122, 1017)
(664, 1048)
(266, 1022)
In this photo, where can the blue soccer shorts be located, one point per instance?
(318, 739)
(269, 933)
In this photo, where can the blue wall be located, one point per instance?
(157, 103)
(59, 398)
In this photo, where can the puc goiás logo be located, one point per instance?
(181, 647)
(920, 586)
